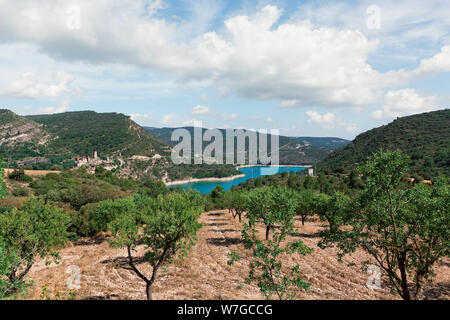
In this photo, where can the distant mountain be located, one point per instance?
(325, 142)
(425, 138)
(298, 150)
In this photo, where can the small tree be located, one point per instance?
(260, 208)
(167, 228)
(19, 175)
(235, 202)
(332, 209)
(36, 230)
(266, 267)
(404, 230)
(304, 204)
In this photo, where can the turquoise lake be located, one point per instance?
(205, 187)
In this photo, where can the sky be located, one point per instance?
(306, 68)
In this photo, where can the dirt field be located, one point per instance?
(204, 274)
(31, 173)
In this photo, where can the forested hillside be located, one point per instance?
(55, 141)
(301, 150)
(425, 138)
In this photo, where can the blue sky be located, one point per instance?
(307, 68)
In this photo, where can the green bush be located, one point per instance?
(19, 175)
(20, 192)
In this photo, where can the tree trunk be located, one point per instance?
(149, 290)
(303, 220)
(404, 285)
(267, 232)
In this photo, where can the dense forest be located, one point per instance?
(425, 138)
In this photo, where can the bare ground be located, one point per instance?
(204, 274)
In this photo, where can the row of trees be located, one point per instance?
(165, 224)
(404, 228)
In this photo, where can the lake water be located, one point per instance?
(205, 187)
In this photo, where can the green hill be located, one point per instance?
(57, 141)
(82, 133)
(328, 143)
(425, 138)
(301, 150)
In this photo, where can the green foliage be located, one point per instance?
(233, 256)
(154, 188)
(333, 209)
(424, 137)
(305, 204)
(217, 196)
(19, 175)
(271, 206)
(79, 188)
(235, 202)
(405, 229)
(276, 207)
(36, 230)
(165, 227)
(82, 133)
(3, 189)
(311, 151)
(20, 192)
(109, 210)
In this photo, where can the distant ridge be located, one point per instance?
(293, 150)
(424, 137)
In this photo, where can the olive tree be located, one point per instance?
(404, 229)
(36, 230)
(166, 227)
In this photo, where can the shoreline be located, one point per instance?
(275, 165)
(171, 183)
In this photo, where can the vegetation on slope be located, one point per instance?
(425, 138)
(292, 150)
(82, 133)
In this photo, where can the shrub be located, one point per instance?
(20, 192)
(36, 230)
(19, 175)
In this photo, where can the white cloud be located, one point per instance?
(329, 120)
(31, 85)
(438, 63)
(226, 116)
(170, 119)
(404, 102)
(200, 110)
(141, 118)
(254, 55)
(62, 106)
